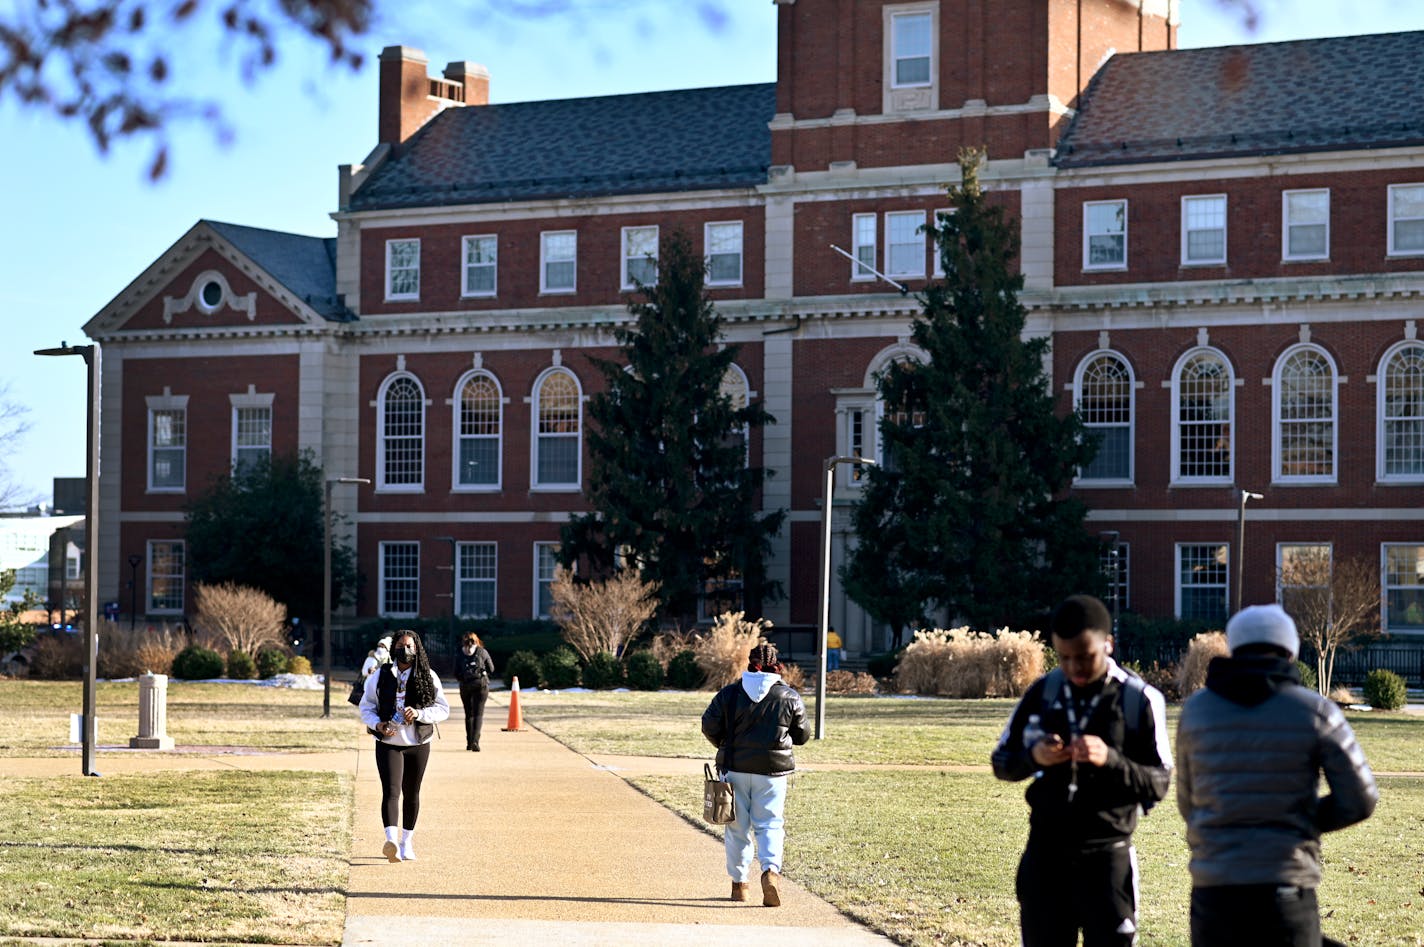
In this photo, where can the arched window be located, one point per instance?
(1401, 413)
(1104, 402)
(557, 429)
(1303, 396)
(401, 447)
(1202, 438)
(736, 389)
(478, 426)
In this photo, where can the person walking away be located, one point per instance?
(1251, 748)
(380, 654)
(473, 670)
(402, 704)
(754, 723)
(833, 650)
(1094, 739)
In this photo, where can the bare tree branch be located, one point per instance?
(1334, 604)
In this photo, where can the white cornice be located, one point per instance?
(1156, 296)
(1246, 166)
(562, 207)
(974, 108)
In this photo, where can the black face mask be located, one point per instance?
(405, 655)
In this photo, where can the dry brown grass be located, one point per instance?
(669, 644)
(601, 616)
(129, 653)
(963, 663)
(238, 618)
(722, 650)
(1191, 676)
(851, 682)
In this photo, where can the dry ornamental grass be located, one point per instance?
(963, 663)
(1201, 650)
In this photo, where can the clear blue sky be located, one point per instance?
(77, 227)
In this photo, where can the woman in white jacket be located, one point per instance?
(400, 707)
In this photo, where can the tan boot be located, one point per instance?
(770, 889)
(739, 890)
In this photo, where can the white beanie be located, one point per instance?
(384, 642)
(1263, 624)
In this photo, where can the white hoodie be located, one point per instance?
(758, 684)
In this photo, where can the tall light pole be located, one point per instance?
(326, 591)
(825, 623)
(90, 354)
(1110, 536)
(1241, 547)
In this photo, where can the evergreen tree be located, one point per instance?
(671, 490)
(967, 520)
(263, 527)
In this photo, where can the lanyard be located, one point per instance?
(1075, 729)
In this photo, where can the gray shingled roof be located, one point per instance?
(305, 265)
(688, 140)
(1271, 98)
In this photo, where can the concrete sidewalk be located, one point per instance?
(528, 842)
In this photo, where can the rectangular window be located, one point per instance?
(936, 253)
(558, 261)
(167, 448)
(855, 442)
(1406, 219)
(546, 561)
(724, 253)
(1201, 582)
(905, 243)
(165, 576)
(402, 269)
(1105, 235)
(912, 42)
(863, 246)
(1305, 224)
(1303, 578)
(1204, 230)
(481, 263)
(1114, 564)
(251, 438)
(476, 579)
(71, 567)
(400, 579)
(640, 256)
(1404, 588)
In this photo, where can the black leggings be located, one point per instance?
(401, 768)
(473, 696)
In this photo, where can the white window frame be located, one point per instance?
(860, 271)
(1278, 423)
(1131, 425)
(536, 438)
(729, 226)
(734, 383)
(391, 294)
(541, 581)
(1381, 440)
(1177, 586)
(1385, 586)
(167, 404)
(1089, 234)
(628, 256)
(181, 576)
(382, 484)
(545, 259)
(490, 241)
(457, 429)
(461, 606)
(1188, 230)
(936, 261)
(1114, 563)
(897, 96)
(919, 243)
(1177, 479)
(249, 402)
(1395, 219)
(383, 608)
(1287, 225)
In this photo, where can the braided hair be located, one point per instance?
(420, 688)
(764, 658)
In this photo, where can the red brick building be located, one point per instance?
(1226, 247)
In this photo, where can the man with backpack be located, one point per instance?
(1094, 739)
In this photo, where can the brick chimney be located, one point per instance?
(409, 97)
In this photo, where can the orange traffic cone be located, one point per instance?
(516, 720)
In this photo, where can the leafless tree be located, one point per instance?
(1334, 604)
(241, 618)
(14, 424)
(601, 616)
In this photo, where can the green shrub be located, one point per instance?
(299, 665)
(240, 666)
(559, 669)
(603, 672)
(525, 666)
(271, 662)
(1384, 690)
(1308, 676)
(883, 663)
(683, 673)
(645, 673)
(1166, 640)
(196, 663)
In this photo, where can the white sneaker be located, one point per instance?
(407, 850)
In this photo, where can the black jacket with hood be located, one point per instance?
(754, 723)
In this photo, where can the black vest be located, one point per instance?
(386, 685)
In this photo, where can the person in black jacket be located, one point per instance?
(754, 723)
(473, 669)
(1094, 739)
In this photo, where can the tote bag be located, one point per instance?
(718, 807)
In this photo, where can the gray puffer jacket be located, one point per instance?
(1251, 746)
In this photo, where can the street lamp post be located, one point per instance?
(326, 591)
(825, 623)
(90, 354)
(1241, 546)
(134, 561)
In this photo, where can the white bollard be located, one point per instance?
(152, 714)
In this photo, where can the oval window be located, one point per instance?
(211, 295)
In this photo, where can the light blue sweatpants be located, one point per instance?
(761, 804)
